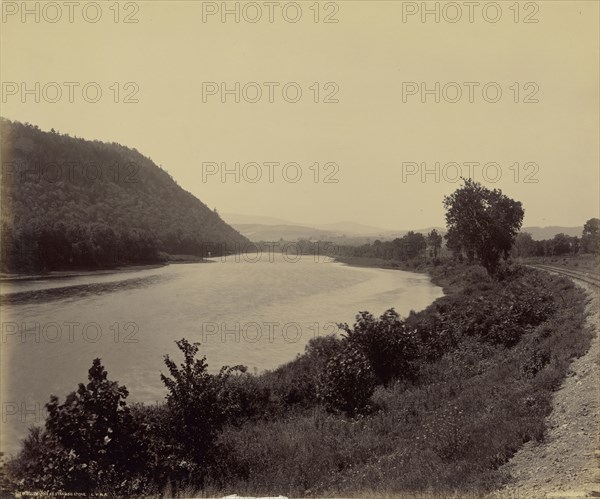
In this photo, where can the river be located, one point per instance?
(257, 313)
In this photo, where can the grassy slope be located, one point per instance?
(447, 432)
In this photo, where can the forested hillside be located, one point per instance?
(73, 203)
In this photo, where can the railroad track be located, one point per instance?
(586, 277)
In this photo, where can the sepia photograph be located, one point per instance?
(300, 249)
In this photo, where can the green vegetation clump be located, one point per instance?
(89, 440)
(436, 401)
(482, 223)
(348, 382)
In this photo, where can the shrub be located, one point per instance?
(253, 397)
(348, 383)
(295, 384)
(387, 343)
(89, 441)
(535, 362)
(447, 433)
(199, 405)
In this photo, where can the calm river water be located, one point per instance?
(260, 314)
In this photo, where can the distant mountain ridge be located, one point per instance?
(69, 203)
(241, 219)
(263, 232)
(354, 228)
(540, 233)
(260, 228)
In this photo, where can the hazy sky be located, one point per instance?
(368, 58)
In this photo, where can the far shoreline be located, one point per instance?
(373, 262)
(64, 274)
(418, 266)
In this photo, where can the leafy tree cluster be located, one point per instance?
(560, 244)
(89, 441)
(72, 203)
(95, 442)
(198, 406)
(590, 238)
(483, 226)
(411, 245)
(482, 223)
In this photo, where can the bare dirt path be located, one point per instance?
(567, 463)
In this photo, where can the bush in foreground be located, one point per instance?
(348, 383)
(90, 441)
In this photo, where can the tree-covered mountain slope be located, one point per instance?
(74, 203)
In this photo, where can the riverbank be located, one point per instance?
(548, 467)
(480, 387)
(440, 270)
(62, 274)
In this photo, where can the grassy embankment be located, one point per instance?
(466, 410)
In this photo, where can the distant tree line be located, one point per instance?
(560, 244)
(407, 247)
(483, 226)
(36, 246)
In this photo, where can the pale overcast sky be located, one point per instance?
(368, 57)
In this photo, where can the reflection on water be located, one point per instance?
(77, 291)
(258, 314)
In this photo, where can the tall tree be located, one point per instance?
(434, 241)
(561, 244)
(413, 244)
(590, 239)
(482, 222)
(524, 245)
